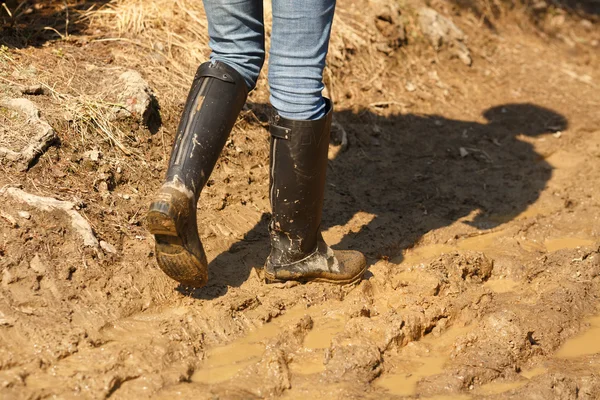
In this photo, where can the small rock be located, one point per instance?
(158, 46)
(93, 155)
(25, 73)
(410, 87)
(4, 321)
(8, 277)
(37, 144)
(107, 247)
(587, 24)
(442, 32)
(24, 214)
(137, 97)
(33, 90)
(103, 187)
(37, 265)
(126, 197)
(463, 152)
(11, 220)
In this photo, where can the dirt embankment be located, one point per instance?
(466, 166)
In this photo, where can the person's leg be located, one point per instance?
(299, 143)
(237, 35)
(217, 95)
(299, 44)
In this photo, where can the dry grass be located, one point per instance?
(91, 115)
(172, 35)
(166, 40)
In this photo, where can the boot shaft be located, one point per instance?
(216, 97)
(297, 185)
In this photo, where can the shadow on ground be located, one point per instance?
(35, 22)
(535, 10)
(410, 174)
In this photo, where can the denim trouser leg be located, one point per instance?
(299, 45)
(237, 35)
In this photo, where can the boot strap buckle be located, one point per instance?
(280, 132)
(217, 71)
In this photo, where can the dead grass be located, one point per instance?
(166, 40)
(14, 130)
(170, 35)
(91, 115)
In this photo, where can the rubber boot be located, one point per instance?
(216, 98)
(297, 187)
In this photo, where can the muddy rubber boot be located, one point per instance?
(297, 187)
(216, 98)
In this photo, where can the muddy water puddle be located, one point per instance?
(588, 342)
(532, 373)
(584, 344)
(498, 387)
(320, 337)
(411, 367)
(430, 360)
(224, 362)
(501, 285)
(530, 212)
(308, 364)
(566, 243)
(405, 383)
(420, 254)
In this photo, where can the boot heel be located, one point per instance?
(270, 278)
(160, 220)
(179, 252)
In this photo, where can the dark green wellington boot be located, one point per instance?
(216, 98)
(297, 187)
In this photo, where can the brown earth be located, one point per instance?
(473, 191)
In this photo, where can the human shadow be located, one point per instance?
(408, 174)
(35, 22)
(536, 10)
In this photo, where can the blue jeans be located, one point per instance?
(299, 44)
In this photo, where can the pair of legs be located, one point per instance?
(299, 141)
(299, 44)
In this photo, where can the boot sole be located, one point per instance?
(270, 278)
(172, 256)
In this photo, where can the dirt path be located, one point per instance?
(472, 190)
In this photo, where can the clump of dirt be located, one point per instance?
(471, 187)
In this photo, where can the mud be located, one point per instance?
(473, 191)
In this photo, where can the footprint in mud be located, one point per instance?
(417, 173)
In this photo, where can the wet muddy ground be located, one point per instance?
(473, 191)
